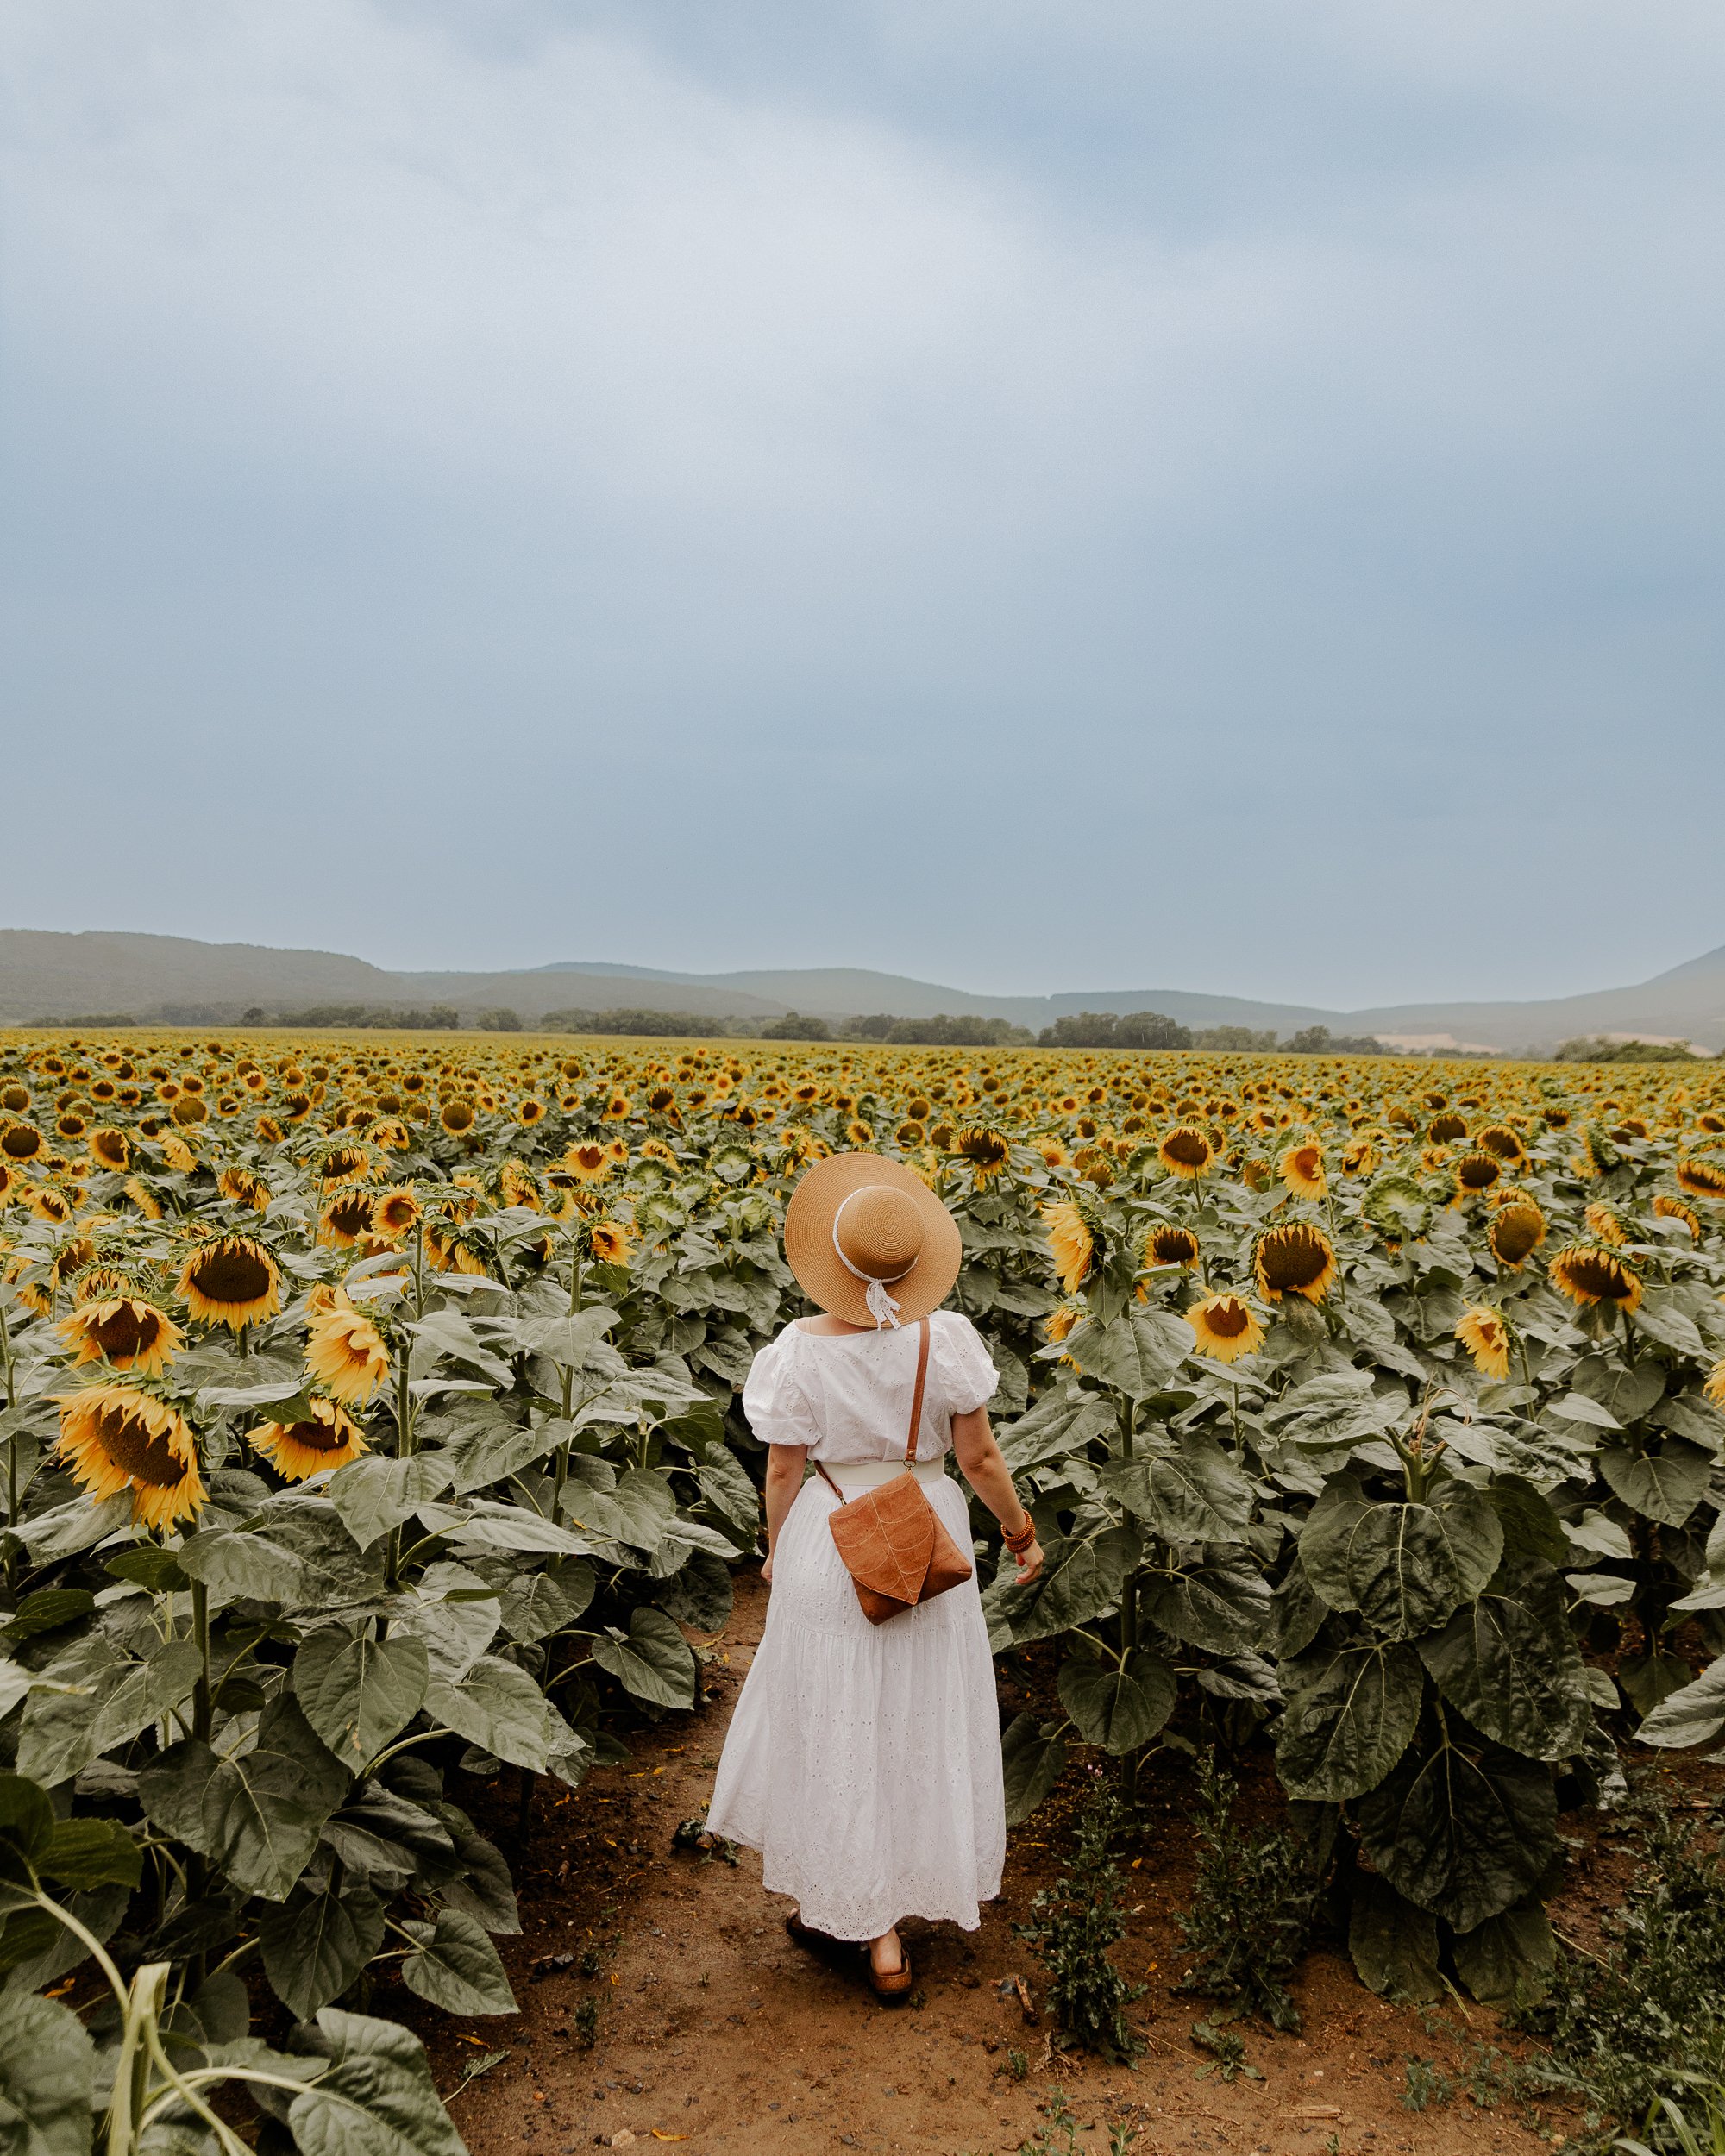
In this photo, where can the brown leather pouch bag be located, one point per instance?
(893, 1547)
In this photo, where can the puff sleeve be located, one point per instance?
(968, 1376)
(775, 1404)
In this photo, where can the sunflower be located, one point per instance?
(345, 1350)
(111, 1149)
(1485, 1336)
(232, 1279)
(1445, 1130)
(1360, 1157)
(328, 1437)
(143, 1198)
(516, 1186)
(113, 1437)
(1074, 1247)
(611, 1242)
(346, 1218)
(1169, 1245)
(588, 1160)
(1606, 1224)
(344, 1164)
(1475, 1172)
(1301, 1167)
(1225, 1327)
(1714, 1387)
(177, 1153)
(242, 1187)
(269, 1131)
(1674, 1209)
(1591, 1273)
(1517, 1229)
(396, 1211)
(1061, 1319)
(617, 1107)
(986, 1149)
(458, 1115)
(392, 1135)
(20, 1142)
(1703, 1178)
(124, 1330)
(1499, 1139)
(1186, 1152)
(1294, 1259)
(529, 1112)
(656, 1149)
(449, 1250)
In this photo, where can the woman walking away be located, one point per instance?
(863, 1759)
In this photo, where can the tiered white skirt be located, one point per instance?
(863, 1761)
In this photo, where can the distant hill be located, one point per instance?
(44, 974)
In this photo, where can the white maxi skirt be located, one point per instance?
(863, 1761)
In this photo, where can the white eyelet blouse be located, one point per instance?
(847, 1395)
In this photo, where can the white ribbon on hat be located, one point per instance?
(883, 1308)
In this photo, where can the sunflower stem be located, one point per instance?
(203, 1695)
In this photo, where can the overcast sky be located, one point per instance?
(1222, 495)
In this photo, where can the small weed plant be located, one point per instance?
(1077, 1920)
(1254, 1904)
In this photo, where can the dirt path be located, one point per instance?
(713, 2031)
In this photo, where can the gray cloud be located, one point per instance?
(1031, 496)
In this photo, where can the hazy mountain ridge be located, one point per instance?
(49, 974)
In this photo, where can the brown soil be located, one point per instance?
(713, 2030)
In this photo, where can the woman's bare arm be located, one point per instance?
(785, 1466)
(974, 1446)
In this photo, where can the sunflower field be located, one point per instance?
(371, 1425)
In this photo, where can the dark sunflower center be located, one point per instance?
(22, 1142)
(351, 1215)
(1513, 1234)
(231, 1276)
(1292, 1257)
(1478, 1171)
(1227, 1319)
(315, 1437)
(1190, 1148)
(128, 1331)
(130, 1444)
(1174, 1246)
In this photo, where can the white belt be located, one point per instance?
(870, 1474)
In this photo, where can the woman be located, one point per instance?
(863, 1760)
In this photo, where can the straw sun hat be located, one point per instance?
(869, 1241)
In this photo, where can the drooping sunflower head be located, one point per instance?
(20, 1142)
(1167, 1245)
(1702, 1176)
(1498, 1139)
(1074, 1247)
(49, 1204)
(1517, 1230)
(343, 1164)
(1666, 1209)
(116, 1438)
(1593, 1273)
(1445, 1130)
(1714, 1387)
(242, 1187)
(111, 1148)
(1186, 1151)
(1485, 1335)
(177, 1153)
(1064, 1315)
(1226, 1325)
(1360, 1157)
(328, 1437)
(1606, 1224)
(611, 1242)
(231, 1280)
(450, 1249)
(1476, 1172)
(345, 1350)
(1293, 1259)
(123, 1330)
(986, 1149)
(516, 1186)
(347, 1216)
(1301, 1167)
(458, 1115)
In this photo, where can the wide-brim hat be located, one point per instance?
(869, 1241)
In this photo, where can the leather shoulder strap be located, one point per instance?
(922, 1379)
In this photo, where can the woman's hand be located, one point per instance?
(1029, 1564)
(767, 1570)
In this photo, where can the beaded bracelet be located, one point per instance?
(1020, 1542)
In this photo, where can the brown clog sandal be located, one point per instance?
(892, 1985)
